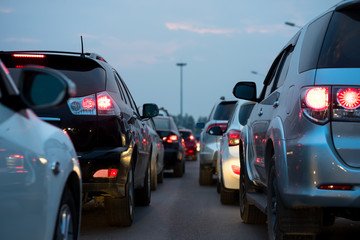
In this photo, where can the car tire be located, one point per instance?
(143, 195)
(205, 176)
(249, 213)
(154, 179)
(160, 177)
(227, 196)
(120, 211)
(67, 223)
(179, 170)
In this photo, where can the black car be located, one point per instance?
(105, 127)
(173, 146)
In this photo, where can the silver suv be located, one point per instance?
(300, 149)
(210, 144)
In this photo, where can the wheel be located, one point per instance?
(274, 205)
(67, 223)
(154, 178)
(160, 177)
(205, 177)
(227, 196)
(285, 223)
(248, 211)
(179, 170)
(143, 195)
(120, 211)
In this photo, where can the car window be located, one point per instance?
(224, 110)
(341, 47)
(313, 40)
(122, 95)
(284, 70)
(162, 123)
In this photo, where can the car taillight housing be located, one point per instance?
(346, 104)
(337, 103)
(106, 173)
(233, 137)
(315, 103)
(170, 138)
(223, 126)
(235, 169)
(99, 103)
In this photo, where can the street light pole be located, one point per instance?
(181, 65)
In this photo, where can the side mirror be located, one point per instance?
(245, 90)
(150, 110)
(216, 131)
(200, 125)
(43, 88)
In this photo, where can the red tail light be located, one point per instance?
(236, 169)
(88, 103)
(106, 173)
(104, 102)
(233, 137)
(170, 139)
(18, 55)
(349, 98)
(317, 98)
(335, 187)
(192, 137)
(315, 103)
(223, 126)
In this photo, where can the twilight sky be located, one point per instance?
(222, 42)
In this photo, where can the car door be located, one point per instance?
(265, 111)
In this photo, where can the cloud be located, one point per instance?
(6, 10)
(265, 29)
(191, 28)
(22, 40)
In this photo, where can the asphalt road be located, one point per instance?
(182, 209)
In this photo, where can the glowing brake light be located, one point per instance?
(106, 173)
(317, 98)
(18, 55)
(104, 102)
(192, 137)
(349, 98)
(335, 187)
(233, 137)
(88, 103)
(170, 139)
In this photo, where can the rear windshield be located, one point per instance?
(224, 111)
(341, 47)
(88, 76)
(162, 123)
(185, 135)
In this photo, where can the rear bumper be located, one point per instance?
(312, 161)
(116, 158)
(172, 158)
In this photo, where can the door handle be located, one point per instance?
(260, 113)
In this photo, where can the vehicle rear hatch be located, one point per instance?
(339, 68)
(89, 78)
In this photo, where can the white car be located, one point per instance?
(40, 180)
(229, 164)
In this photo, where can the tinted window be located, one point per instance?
(342, 42)
(162, 123)
(284, 70)
(185, 135)
(224, 111)
(313, 40)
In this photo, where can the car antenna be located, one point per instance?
(82, 47)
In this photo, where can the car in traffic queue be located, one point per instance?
(40, 177)
(157, 155)
(105, 127)
(229, 164)
(174, 155)
(300, 148)
(190, 143)
(209, 153)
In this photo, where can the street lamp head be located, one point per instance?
(181, 64)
